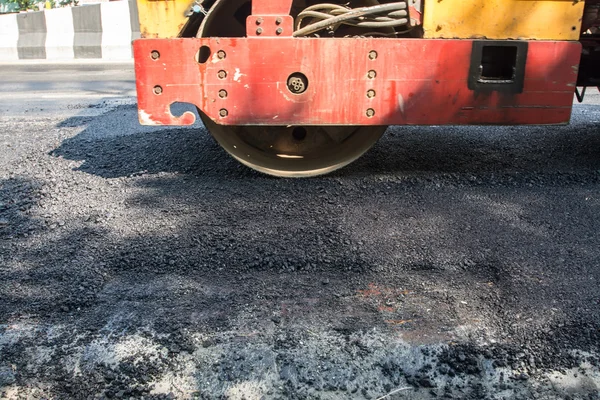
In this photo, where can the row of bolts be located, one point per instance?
(222, 74)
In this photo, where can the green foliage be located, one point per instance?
(24, 5)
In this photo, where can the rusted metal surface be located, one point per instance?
(409, 81)
(503, 19)
(162, 18)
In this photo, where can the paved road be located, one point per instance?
(62, 89)
(143, 262)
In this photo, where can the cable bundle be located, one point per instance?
(332, 16)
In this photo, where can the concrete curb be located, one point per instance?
(99, 31)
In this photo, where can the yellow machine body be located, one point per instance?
(503, 19)
(162, 18)
(489, 19)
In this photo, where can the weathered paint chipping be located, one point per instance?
(429, 90)
(503, 19)
(162, 18)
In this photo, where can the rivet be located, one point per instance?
(259, 21)
(279, 21)
(370, 113)
(223, 93)
(223, 112)
(221, 54)
(372, 55)
(259, 31)
(372, 74)
(155, 55)
(222, 74)
(279, 31)
(370, 93)
(157, 89)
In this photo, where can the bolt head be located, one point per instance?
(370, 113)
(155, 55)
(259, 21)
(222, 74)
(279, 21)
(370, 93)
(259, 31)
(157, 89)
(223, 93)
(223, 112)
(372, 55)
(372, 74)
(279, 31)
(221, 54)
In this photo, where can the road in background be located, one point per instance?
(52, 89)
(448, 262)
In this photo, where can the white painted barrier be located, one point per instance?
(9, 37)
(116, 30)
(60, 34)
(97, 31)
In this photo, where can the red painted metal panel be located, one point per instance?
(417, 82)
(271, 7)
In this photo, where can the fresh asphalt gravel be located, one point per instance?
(136, 262)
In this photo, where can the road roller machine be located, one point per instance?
(299, 88)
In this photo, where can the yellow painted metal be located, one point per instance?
(162, 18)
(503, 19)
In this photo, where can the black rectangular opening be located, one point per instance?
(498, 66)
(498, 63)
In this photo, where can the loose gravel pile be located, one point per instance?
(457, 263)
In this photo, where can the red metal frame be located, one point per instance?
(271, 7)
(418, 81)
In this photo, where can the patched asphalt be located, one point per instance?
(448, 262)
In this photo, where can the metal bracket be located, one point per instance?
(269, 26)
(415, 9)
(514, 84)
(270, 7)
(580, 96)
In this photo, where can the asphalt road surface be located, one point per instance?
(136, 262)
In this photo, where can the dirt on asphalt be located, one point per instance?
(448, 262)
